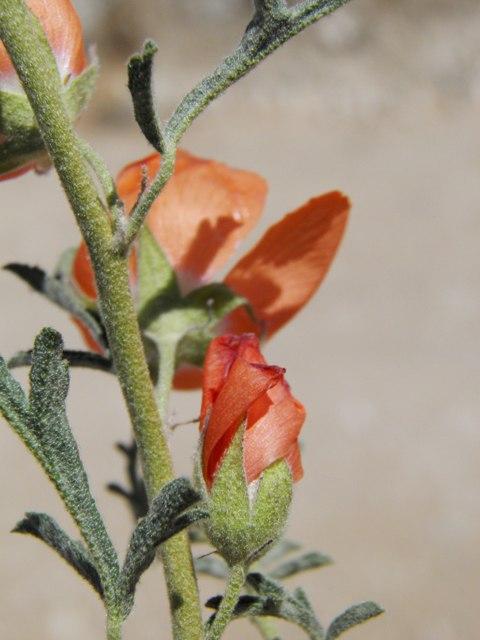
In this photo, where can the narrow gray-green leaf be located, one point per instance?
(305, 562)
(351, 617)
(167, 517)
(140, 67)
(49, 386)
(14, 408)
(45, 528)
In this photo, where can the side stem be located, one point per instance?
(236, 580)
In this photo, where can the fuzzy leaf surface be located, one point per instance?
(305, 562)
(351, 617)
(140, 68)
(167, 517)
(43, 426)
(45, 528)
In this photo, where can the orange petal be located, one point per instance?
(64, 33)
(294, 461)
(205, 210)
(244, 384)
(272, 436)
(221, 355)
(82, 273)
(283, 271)
(187, 378)
(87, 336)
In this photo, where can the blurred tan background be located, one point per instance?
(380, 100)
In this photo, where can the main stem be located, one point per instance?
(112, 278)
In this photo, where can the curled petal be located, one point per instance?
(283, 271)
(244, 385)
(273, 435)
(221, 355)
(202, 214)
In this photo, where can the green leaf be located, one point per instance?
(84, 359)
(167, 517)
(45, 528)
(43, 426)
(140, 67)
(278, 603)
(351, 617)
(58, 291)
(310, 560)
(14, 408)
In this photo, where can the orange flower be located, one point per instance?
(205, 210)
(64, 33)
(238, 383)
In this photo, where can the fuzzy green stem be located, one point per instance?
(114, 628)
(17, 29)
(236, 580)
(139, 214)
(272, 25)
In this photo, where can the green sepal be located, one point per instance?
(140, 68)
(245, 521)
(76, 93)
(353, 616)
(228, 503)
(156, 280)
(42, 526)
(58, 290)
(167, 516)
(272, 501)
(42, 424)
(23, 146)
(16, 115)
(208, 305)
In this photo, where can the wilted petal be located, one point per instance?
(283, 271)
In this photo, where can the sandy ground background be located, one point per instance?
(381, 100)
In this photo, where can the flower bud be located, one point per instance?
(248, 456)
(20, 140)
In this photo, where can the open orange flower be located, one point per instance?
(205, 210)
(64, 32)
(238, 384)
